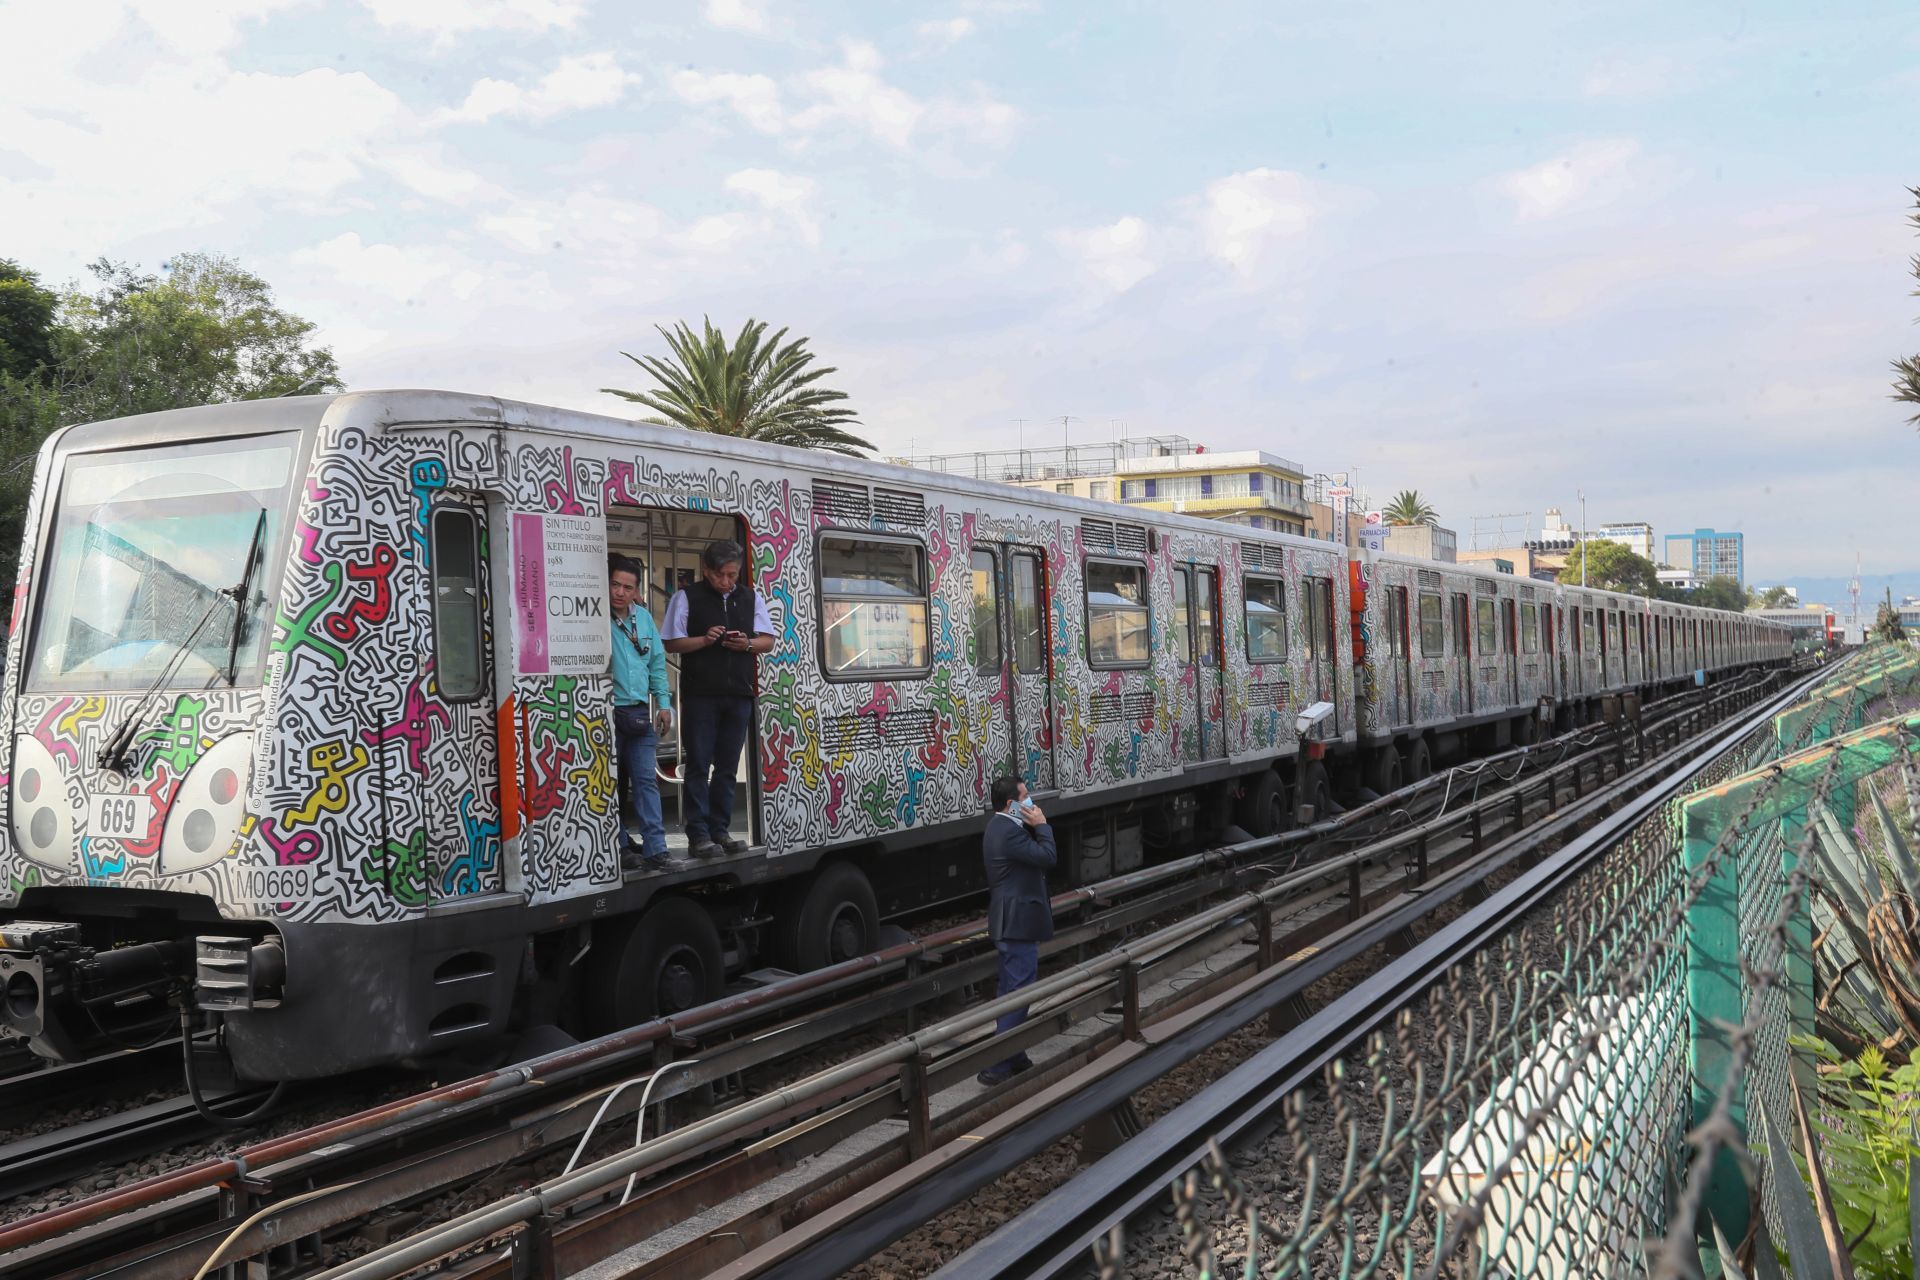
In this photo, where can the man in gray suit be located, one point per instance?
(1019, 852)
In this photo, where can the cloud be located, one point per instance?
(1592, 171)
(443, 19)
(736, 15)
(947, 31)
(578, 83)
(401, 274)
(852, 95)
(855, 93)
(1243, 215)
(1118, 256)
(754, 98)
(787, 195)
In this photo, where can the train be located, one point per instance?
(308, 711)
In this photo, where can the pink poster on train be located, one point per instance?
(560, 616)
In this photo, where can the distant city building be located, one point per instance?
(1708, 553)
(1162, 473)
(1679, 579)
(1522, 561)
(1429, 542)
(1249, 487)
(1635, 535)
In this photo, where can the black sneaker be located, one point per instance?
(704, 849)
(733, 846)
(992, 1078)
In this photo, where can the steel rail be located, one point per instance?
(1054, 1237)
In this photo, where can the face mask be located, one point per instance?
(1025, 802)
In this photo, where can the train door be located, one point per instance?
(1196, 644)
(1033, 730)
(1550, 650)
(459, 775)
(1510, 637)
(1462, 654)
(1399, 676)
(993, 654)
(1321, 658)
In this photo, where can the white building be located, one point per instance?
(1635, 535)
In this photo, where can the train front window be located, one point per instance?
(147, 550)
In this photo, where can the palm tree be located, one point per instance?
(756, 389)
(1408, 507)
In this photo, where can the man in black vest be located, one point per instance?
(717, 627)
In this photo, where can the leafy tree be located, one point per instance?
(1611, 566)
(1720, 593)
(756, 389)
(1906, 373)
(207, 331)
(1774, 598)
(26, 322)
(1408, 507)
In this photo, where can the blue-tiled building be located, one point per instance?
(1709, 554)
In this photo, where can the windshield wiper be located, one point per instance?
(113, 755)
(240, 599)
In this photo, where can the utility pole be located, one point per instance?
(1583, 535)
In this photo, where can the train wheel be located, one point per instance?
(837, 918)
(665, 962)
(1262, 808)
(1419, 761)
(1315, 790)
(1385, 772)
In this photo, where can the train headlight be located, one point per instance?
(205, 816)
(45, 827)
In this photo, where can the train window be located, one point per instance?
(458, 662)
(1433, 631)
(1029, 617)
(986, 613)
(1462, 640)
(1118, 620)
(1488, 641)
(1182, 628)
(1266, 619)
(1207, 633)
(1529, 628)
(1586, 630)
(1320, 621)
(873, 605)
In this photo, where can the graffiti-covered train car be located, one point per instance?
(309, 714)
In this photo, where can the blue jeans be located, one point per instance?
(1019, 966)
(636, 748)
(712, 732)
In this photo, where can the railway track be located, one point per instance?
(289, 1201)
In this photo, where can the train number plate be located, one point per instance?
(119, 817)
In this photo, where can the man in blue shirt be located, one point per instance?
(641, 704)
(1019, 851)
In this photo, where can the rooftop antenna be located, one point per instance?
(1065, 419)
(1853, 589)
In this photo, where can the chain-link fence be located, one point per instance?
(1576, 1100)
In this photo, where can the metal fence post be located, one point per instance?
(1714, 1000)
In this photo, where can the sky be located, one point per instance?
(1500, 253)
